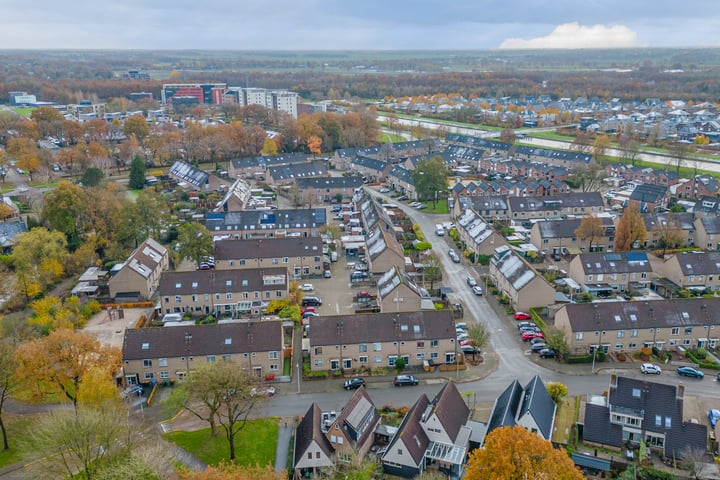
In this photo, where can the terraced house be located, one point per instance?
(302, 257)
(519, 281)
(603, 274)
(226, 293)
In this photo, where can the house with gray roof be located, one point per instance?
(302, 257)
(638, 411)
(558, 206)
(697, 271)
(603, 274)
(255, 224)
(288, 174)
(139, 276)
(519, 281)
(319, 190)
(398, 292)
(648, 197)
(663, 228)
(8, 231)
(492, 207)
(400, 179)
(707, 232)
(476, 234)
(556, 236)
(184, 172)
(253, 167)
(491, 147)
(373, 169)
(565, 158)
(313, 456)
(383, 251)
(531, 407)
(707, 206)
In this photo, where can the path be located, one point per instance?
(283, 444)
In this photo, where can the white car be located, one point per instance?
(384, 190)
(477, 290)
(306, 287)
(650, 368)
(268, 391)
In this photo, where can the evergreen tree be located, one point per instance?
(137, 174)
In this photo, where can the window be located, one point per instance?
(318, 362)
(392, 359)
(673, 342)
(241, 261)
(162, 362)
(434, 344)
(272, 355)
(149, 375)
(420, 344)
(194, 298)
(377, 347)
(579, 336)
(164, 375)
(658, 420)
(211, 359)
(226, 357)
(228, 295)
(362, 347)
(147, 363)
(363, 359)
(634, 332)
(686, 341)
(273, 367)
(377, 359)
(309, 455)
(675, 331)
(632, 345)
(420, 356)
(285, 260)
(274, 261)
(178, 299)
(434, 355)
(318, 350)
(217, 296)
(621, 334)
(668, 422)
(688, 330)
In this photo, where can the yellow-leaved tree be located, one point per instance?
(38, 258)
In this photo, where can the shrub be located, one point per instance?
(700, 353)
(579, 358)
(484, 259)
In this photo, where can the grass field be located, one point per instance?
(565, 418)
(18, 427)
(24, 111)
(255, 444)
(389, 137)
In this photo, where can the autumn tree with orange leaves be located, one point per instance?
(314, 144)
(514, 452)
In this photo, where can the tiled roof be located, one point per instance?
(268, 248)
(299, 170)
(330, 182)
(411, 432)
(698, 263)
(309, 430)
(616, 262)
(221, 281)
(262, 220)
(451, 409)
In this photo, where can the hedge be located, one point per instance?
(537, 318)
(702, 364)
(580, 358)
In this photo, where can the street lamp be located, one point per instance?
(297, 370)
(188, 339)
(597, 322)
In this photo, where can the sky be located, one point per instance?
(357, 24)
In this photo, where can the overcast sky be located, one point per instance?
(357, 24)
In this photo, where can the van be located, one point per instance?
(311, 302)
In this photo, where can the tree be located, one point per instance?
(669, 233)
(314, 144)
(694, 461)
(556, 339)
(230, 471)
(600, 148)
(432, 270)
(92, 177)
(25, 152)
(679, 153)
(589, 177)
(195, 241)
(629, 145)
(146, 217)
(7, 383)
(220, 394)
(269, 147)
(58, 363)
(514, 453)
(479, 334)
(64, 211)
(430, 178)
(630, 229)
(137, 174)
(590, 229)
(38, 258)
(136, 126)
(507, 135)
(556, 390)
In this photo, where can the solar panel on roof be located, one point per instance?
(613, 257)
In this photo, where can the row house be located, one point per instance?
(662, 227)
(227, 293)
(692, 270)
(559, 206)
(565, 158)
(649, 197)
(166, 354)
(346, 342)
(493, 164)
(491, 147)
(603, 274)
(707, 234)
(707, 206)
(374, 170)
(267, 224)
(288, 174)
(519, 281)
(400, 179)
(302, 257)
(700, 186)
(318, 190)
(258, 166)
(398, 292)
(490, 208)
(643, 174)
(630, 326)
(383, 251)
(138, 277)
(372, 214)
(558, 236)
(476, 234)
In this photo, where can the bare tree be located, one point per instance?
(694, 461)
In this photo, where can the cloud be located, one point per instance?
(574, 35)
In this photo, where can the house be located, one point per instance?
(400, 179)
(489, 208)
(490, 147)
(476, 234)
(531, 407)
(698, 271)
(372, 169)
(371, 212)
(313, 456)
(383, 251)
(165, 354)
(91, 283)
(603, 274)
(558, 236)
(223, 293)
(648, 197)
(398, 292)
(629, 326)
(559, 206)
(707, 234)
(319, 190)
(8, 231)
(359, 341)
(256, 167)
(257, 224)
(700, 186)
(302, 257)
(433, 435)
(184, 172)
(139, 276)
(519, 281)
(289, 173)
(351, 432)
(563, 158)
(707, 207)
(638, 411)
(669, 227)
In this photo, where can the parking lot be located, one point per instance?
(336, 292)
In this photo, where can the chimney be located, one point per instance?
(680, 393)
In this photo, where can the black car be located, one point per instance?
(402, 198)
(353, 383)
(538, 347)
(548, 353)
(402, 380)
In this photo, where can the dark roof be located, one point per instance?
(317, 168)
(451, 409)
(219, 339)
(564, 155)
(648, 193)
(8, 230)
(711, 225)
(556, 202)
(309, 429)
(699, 263)
(268, 248)
(538, 403)
(459, 152)
(506, 405)
(707, 204)
(381, 327)
(587, 460)
(220, 281)
(370, 163)
(402, 174)
(330, 182)
(616, 262)
(650, 314)
(411, 432)
(565, 228)
(262, 220)
(359, 413)
(190, 174)
(497, 202)
(478, 142)
(682, 221)
(267, 161)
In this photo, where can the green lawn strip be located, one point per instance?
(254, 445)
(564, 420)
(390, 137)
(551, 136)
(18, 427)
(441, 207)
(287, 366)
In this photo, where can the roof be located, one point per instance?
(616, 262)
(218, 339)
(565, 228)
(402, 174)
(309, 430)
(496, 202)
(382, 327)
(475, 227)
(262, 220)
(390, 280)
(298, 170)
(145, 259)
(711, 225)
(369, 163)
(8, 231)
(360, 415)
(589, 317)
(330, 182)
(555, 202)
(549, 154)
(698, 263)
(222, 281)
(648, 193)
(538, 403)
(506, 405)
(268, 248)
(682, 221)
(478, 142)
(515, 271)
(267, 161)
(450, 409)
(411, 432)
(189, 174)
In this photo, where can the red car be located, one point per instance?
(308, 309)
(522, 316)
(468, 342)
(527, 336)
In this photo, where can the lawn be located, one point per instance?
(440, 207)
(24, 111)
(565, 418)
(255, 444)
(17, 428)
(390, 137)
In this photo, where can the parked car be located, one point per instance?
(477, 290)
(525, 324)
(538, 347)
(402, 380)
(306, 287)
(470, 349)
(462, 336)
(402, 198)
(414, 204)
(204, 266)
(327, 274)
(461, 326)
(353, 383)
(527, 336)
(522, 316)
(533, 328)
(471, 281)
(537, 340)
(650, 368)
(308, 309)
(310, 314)
(268, 391)
(439, 230)
(548, 353)
(690, 372)
(466, 342)
(422, 206)
(384, 190)
(336, 208)
(132, 391)
(311, 302)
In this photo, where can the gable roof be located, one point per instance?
(317, 168)
(267, 248)
(538, 403)
(145, 259)
(680, 220)
(330, 182)
(222, 281)
(515, 271)
(711, 225)
(698, 263)
(360, 415)
(556, 202)
(189, 174)
(450, 409)
(266, 161)
(565, 228)
(262, 220)
(8, 231)
(505, 407)
(309, 430)
(648, 193)
(411, 432)
(615, 262)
